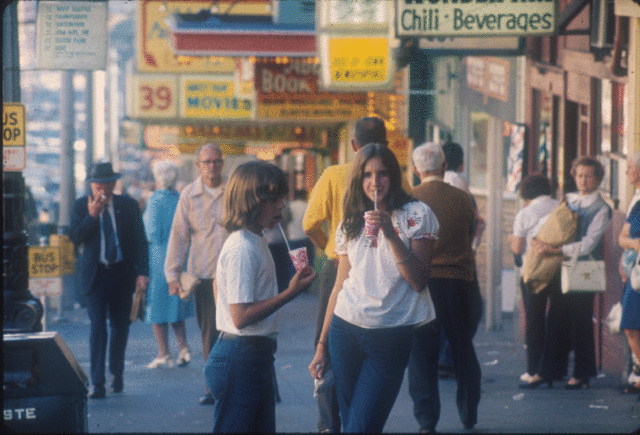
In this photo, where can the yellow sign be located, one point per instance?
(154, 49)
(356, 63)
(44, 262)
(13, 121)
(67, 259)
(153, 96)
(208, 97)
(359, 59)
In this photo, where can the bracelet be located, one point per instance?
(324, 343)
(405, 259)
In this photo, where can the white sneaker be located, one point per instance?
(164, 361)
(526, 377)
(184, 357)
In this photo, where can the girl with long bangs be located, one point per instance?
(239, 368)
(380, 292)
(356, 203)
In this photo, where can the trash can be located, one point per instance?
(44, 387)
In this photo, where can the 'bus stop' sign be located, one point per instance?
(14, 154)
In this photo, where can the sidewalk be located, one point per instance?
(166, 400)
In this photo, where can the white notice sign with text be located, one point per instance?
(72, 35)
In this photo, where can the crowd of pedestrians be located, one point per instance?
(398, 290)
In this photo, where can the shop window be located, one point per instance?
(478, 150)
(609, 138)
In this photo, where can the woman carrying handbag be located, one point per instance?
(593, 218)
(630, 239)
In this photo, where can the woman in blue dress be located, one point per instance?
(630, 239)
(163, 309)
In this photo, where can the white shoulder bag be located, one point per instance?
(584, 275)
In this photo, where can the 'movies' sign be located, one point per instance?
(438, 18)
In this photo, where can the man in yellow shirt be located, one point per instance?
(326, 206)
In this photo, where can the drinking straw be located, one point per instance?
(285, 237)
(375, 200)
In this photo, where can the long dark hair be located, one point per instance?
(355, 202)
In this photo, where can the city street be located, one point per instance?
(166, 400)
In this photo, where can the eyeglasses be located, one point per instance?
(211, 162)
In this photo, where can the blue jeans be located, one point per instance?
(239, 375)
(368, 365)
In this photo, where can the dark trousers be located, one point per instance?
(328, 410)
(557, 339)
(582, 336)
(458, 306)
(110, 296)
(543, 329)
(206, 315)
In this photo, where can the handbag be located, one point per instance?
(138, 305)
(583, 275)
(628, 260)
(559, 229)
(614, 318)
(188, 284)
(634, 276)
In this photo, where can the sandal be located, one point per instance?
(184, 357)
(161, 361)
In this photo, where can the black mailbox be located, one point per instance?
(44, 388)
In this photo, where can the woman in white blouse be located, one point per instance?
(379, 295)
(594, 215)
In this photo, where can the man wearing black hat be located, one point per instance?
(108, 231)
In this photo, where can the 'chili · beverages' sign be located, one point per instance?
(439, 18)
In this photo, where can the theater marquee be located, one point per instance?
(440, 18)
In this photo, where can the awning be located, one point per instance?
(206, 34)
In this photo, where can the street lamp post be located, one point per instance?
(22, 312)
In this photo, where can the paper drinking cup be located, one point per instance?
(299, 257)
(370, 229)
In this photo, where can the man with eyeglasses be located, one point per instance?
(196, 239)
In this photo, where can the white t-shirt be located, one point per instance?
(245, 273)
(375, 295)
(527, 219)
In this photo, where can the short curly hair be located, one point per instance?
(598, 169)
(165, 172)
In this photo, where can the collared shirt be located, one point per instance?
(112, 213)
(596, 228)
(197, 231)
(326, 206)
(456, 180)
